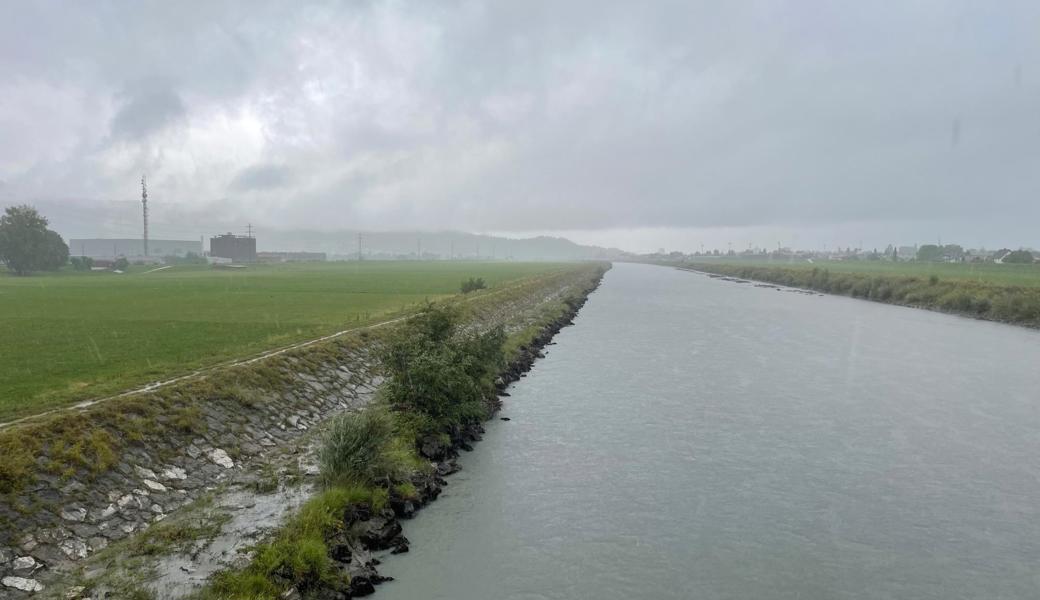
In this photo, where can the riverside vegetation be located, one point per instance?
(383, 463)
(983, 298)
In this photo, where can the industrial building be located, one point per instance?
(132, 249)
(238, 248)
(291, 257)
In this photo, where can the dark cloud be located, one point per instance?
(146, 112)
(532, 116)
(262, 177)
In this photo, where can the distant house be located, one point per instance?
(906, 252)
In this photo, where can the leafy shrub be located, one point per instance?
(472, 285)
(82, 263)
(440, 372)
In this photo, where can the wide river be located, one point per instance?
(695, 438)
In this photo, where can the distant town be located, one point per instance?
(949, 253)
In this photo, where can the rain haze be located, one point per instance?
(515, 299)
(673, 124)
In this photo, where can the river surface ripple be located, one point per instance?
(697, 438)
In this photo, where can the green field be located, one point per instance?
(70, 336)
(1010, 275)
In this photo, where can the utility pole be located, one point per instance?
(144, 210)
(359, 246)
(249, 230)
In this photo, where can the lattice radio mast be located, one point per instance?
(144, 209)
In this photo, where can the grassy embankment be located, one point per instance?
(85, 445)
(72, 336)
(439, 380)
(1005, 293)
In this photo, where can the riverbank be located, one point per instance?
(99, 480)
(1017, 305)
(692, 438)
(332, 541)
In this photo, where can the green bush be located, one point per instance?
(472, 285)
(81, 263)
(437, 370)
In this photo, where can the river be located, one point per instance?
(696, 438)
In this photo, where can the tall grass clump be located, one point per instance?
(358, 448)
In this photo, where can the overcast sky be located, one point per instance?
(637, 124)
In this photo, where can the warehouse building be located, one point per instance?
(237, 248)
(282, 257)
(132, 249)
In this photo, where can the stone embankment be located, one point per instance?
(367, 532)
(73, 483)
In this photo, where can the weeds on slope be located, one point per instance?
(439, 378)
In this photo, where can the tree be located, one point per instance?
(55, 252)
(929, 253)
(1019, 257)
(26, 245)
(953, 251)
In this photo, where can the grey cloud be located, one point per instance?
(146, 112)
(262, 177)
(530, 115)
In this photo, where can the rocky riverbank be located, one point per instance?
(366, 531)
(76, 483)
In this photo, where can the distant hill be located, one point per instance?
(444, 244)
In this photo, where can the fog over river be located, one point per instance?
(696, 438)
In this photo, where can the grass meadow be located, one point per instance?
(70, 336)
